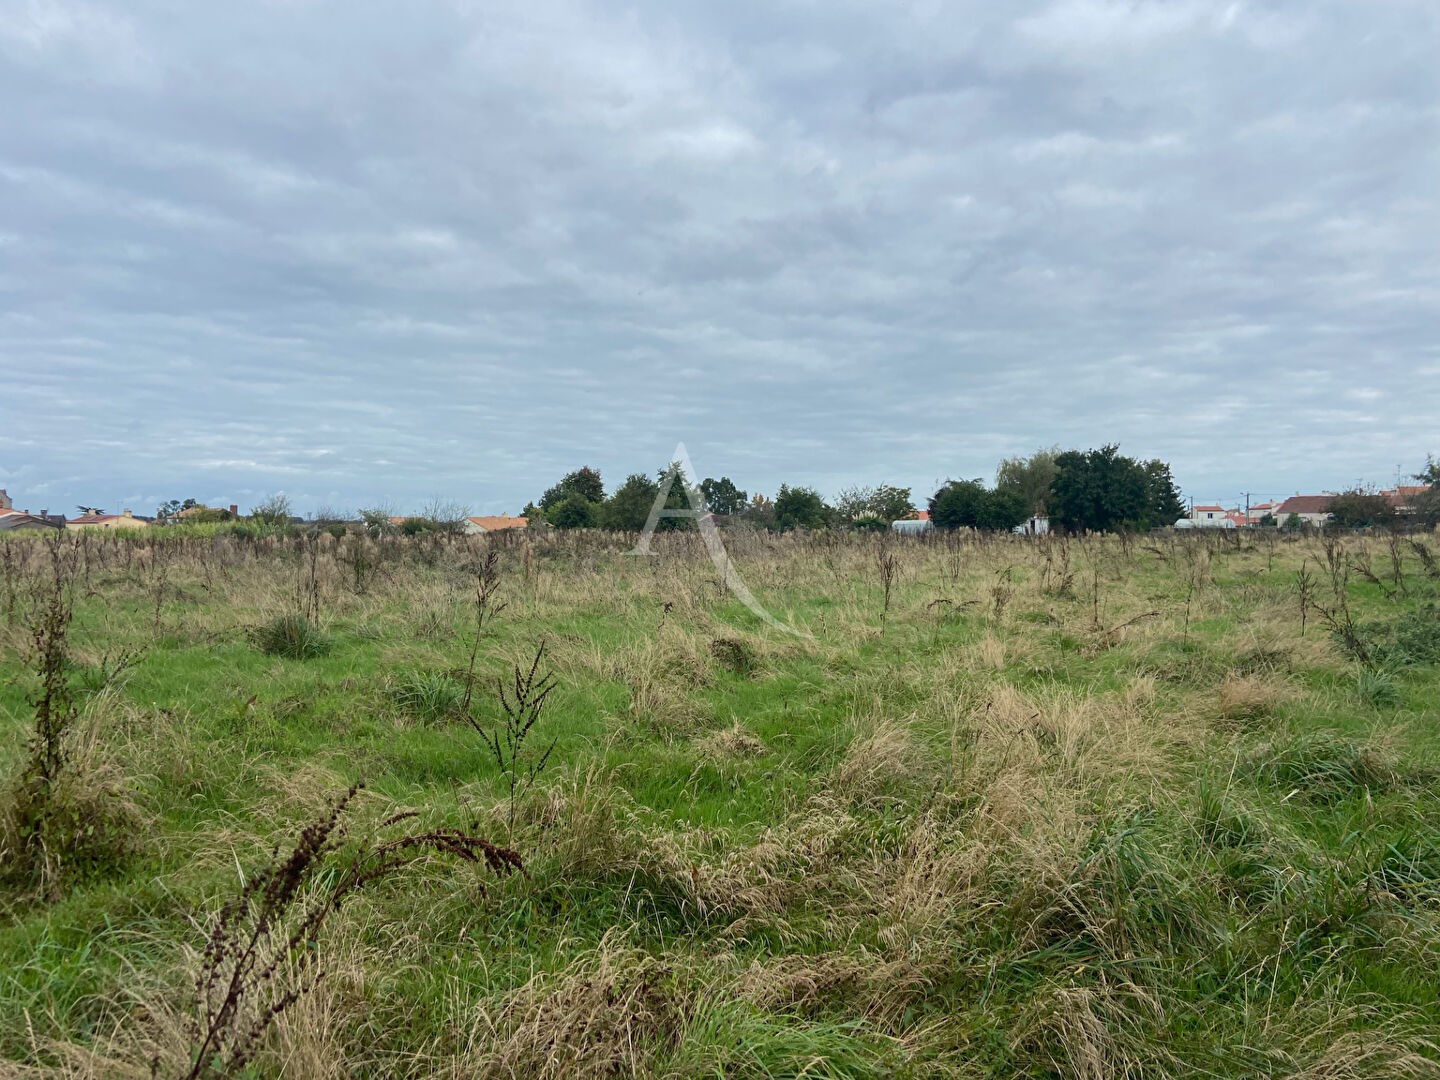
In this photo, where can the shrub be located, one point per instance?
(292, 636)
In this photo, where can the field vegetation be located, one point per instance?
(315, 804)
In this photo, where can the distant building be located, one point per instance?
(1036, 525)
(123, 520)
(1403, 497)
(1310, 509)
(914, 525)
(494, 524)
(1258, 511)
(12, 520)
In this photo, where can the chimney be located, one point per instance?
(234, 511)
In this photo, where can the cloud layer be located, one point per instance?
(357, 255)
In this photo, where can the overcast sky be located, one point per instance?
(360, 253)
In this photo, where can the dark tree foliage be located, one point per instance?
(1359, 509)
(1430, 474)
(1104, 491)
(573, 512)
(584, 482)
(680, 496)
(1165, 505)
(1426, 507)
(630, 505)
(800, 507)
(966, 504)
(722, 496)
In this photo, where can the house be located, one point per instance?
(1035, 525)
(475, 525)
(1310, 509)
(1256, 512)
(1403, 497)
(123, 520)
(1207, 516)
(12, 520)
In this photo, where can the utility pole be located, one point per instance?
(1247, 508)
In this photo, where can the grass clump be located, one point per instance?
(429, 696)
(293, 637)
(1325, 767)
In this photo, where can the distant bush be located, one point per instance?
(292, 636)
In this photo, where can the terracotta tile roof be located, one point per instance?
(1305, 504)
(1210, 509)
(93, 519)
(504, 521)
(1403, 494)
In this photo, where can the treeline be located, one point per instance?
(1099, 490)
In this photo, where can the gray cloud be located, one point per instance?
(352, 254)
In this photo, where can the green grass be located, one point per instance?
(1059, 842)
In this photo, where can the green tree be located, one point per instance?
(629, 506)
(958, 505)
(1294, 521)
(167, 512)
(1003, 510)
(1360, 508)
(891, 503)
(722, 496)
(377, 520)
(1267, 520)
(584, 482)
(573, 512)
(273, 512)
(966, 504)
(1104, 491)
(1164, 505)
(1425, 507)
(759, 512)
(1030, 478)
(800, 507)
(1430, 474)
(885, 502)
(681, 496)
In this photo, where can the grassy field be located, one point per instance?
(1163, 806)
